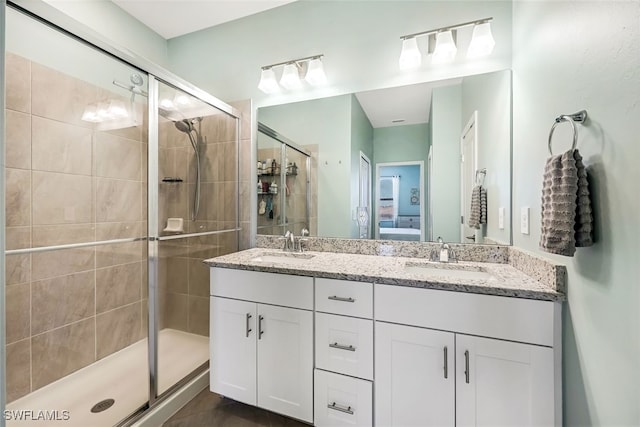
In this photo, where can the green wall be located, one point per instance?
(571, 55)
(445, 140)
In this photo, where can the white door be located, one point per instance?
(501, 383)
(415, 376)
(365, 191)
(285, 361)
(468, 169)
(233, 349)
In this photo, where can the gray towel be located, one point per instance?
(478, 214)
(567, 220)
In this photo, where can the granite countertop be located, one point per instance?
(502, 279)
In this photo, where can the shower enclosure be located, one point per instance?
(119, 180)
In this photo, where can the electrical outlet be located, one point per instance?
(524, 220)
(501, 218)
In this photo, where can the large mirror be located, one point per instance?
(418, 162)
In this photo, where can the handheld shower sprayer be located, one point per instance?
(186, 126)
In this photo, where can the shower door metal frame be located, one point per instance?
(54, 18)
(3, 356)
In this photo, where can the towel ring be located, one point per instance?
(579, 117)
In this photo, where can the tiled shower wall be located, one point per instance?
(184, 284)
(67, 183)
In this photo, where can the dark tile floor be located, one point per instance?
(209, 409)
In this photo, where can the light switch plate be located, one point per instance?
(501, 218)
(524, 220)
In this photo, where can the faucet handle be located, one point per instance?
(304, 232)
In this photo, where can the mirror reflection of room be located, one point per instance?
(455, 127)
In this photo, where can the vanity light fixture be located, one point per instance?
(311, 67)
(442, 44)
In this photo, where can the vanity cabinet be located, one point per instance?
(344, 353)
(431, 372)
(262, 353)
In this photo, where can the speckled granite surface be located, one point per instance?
(500, 278)
(540, 269)
(476, 253)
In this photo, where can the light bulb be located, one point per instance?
(290, 77)
(410, 57)
(268, 82)
(482, 41)
(315, 73)
(90, 114)
(446, 49)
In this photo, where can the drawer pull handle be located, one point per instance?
(260, 331)
(343, 299)
(248, 329)
(466, 366)
(337, 407)
(446, 363)
(342, 347)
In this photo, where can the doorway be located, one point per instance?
(468, 167)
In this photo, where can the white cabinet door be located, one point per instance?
(415, 378)
(340, 400)
(500, 383)
(285, 361)
(233, 349)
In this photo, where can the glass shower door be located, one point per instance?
(76, 264)
(197, 218)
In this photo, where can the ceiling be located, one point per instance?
(173, 18)
(403, 105)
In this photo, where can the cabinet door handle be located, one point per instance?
(446, 363)
(337, 407)
(466, 366)
(342, 347)
(260, 331)
(248, 329)
(343, 299)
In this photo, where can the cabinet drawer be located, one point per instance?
(513, 319)
(342, 401)
(344, 345)
(344, 297)
(267, 288)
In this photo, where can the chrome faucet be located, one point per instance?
(289, 242)
(444, 254)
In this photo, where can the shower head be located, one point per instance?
(184, 126)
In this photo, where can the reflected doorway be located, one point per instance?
(399, 201)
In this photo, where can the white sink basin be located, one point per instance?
(283, 258)
(449, 271)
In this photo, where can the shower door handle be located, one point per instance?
(248, 328)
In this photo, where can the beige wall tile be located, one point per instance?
(17, 269)
(198, 277)
(60, 147)
(18, 83)
(211, 161)
(18, 307)
(245, 160)
(18, 197)
(176, 311)
(118, 201)
(18, 237)
(199, 315)
(226, 128)
(62, 300)
(18, 369)
(246, 115)
(118, 157)
(18, 140)
(58, 263)
(118, 328)
(61, 198)
(62, 351)
(120, 230)
(230, 161)
(60, 97)
(117, 286)
(230, 201)
(119, 253)
(49, 235)
(177, 275)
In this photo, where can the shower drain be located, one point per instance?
(103, 405)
